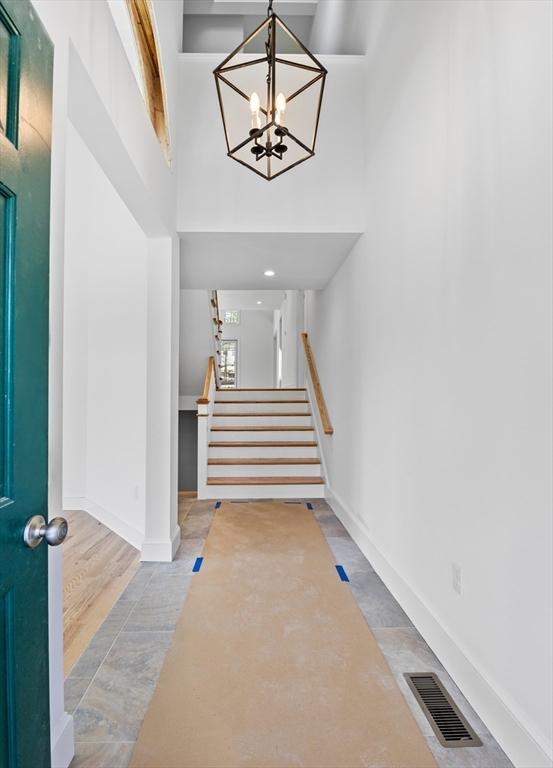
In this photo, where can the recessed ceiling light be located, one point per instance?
(259, 302)
(269, 273)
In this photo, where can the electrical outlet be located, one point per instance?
(457, 578)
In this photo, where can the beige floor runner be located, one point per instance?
(272, 663)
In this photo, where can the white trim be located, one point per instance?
(63, 743)
(113, 522)
(513, 737)
(319, 431)
(161, 550)
(175, 541)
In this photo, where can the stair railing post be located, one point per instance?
(205, 405)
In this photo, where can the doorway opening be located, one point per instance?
(228, 374)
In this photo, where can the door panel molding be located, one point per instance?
(13, 75)
(7, 271)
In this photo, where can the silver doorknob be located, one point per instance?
(38, 529)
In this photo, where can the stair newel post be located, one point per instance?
(205, 412)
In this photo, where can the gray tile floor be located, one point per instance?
(109, 688)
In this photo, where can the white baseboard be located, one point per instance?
(63, 742)
(520, 746)
(155, 550)
(161, 550)
(113, 522)
(175, 541)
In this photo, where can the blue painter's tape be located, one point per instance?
(309, 505)
(217, 504)
(197, 564)
(341, 573)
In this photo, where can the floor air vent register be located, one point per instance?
(449, 725)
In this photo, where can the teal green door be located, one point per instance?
(26, 56)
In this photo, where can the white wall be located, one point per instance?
(433, 343)
(196, 343)
(291, 326)
(168, 27)
(342, 27)
(255, 347)
(122, 20)
(105, 348)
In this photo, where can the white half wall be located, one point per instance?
(433, 343)
(196, 342)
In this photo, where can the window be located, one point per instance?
(231, 316)
(229, 363)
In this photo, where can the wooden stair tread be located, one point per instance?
(265, 460)
(265, 480)
(262, 429)
(263, 444)
(263, 389)
(257, 414)
(260, 402)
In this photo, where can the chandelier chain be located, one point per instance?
(270, 8)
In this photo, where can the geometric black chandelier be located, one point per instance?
(270, 92)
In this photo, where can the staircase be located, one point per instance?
(261, 443)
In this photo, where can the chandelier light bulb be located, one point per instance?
(280, 109)
(255, 104)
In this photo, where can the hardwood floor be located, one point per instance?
(98, 565)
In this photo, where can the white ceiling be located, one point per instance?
(249, 299)
(237, 260)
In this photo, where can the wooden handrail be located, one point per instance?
(204, 399)
(327, 426)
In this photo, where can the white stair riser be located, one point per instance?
(301, 452)
(264, 492)
(232, 428)
(261, 421)
(262, 407)
(264, 470)
(304, 434)
(260, 394)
